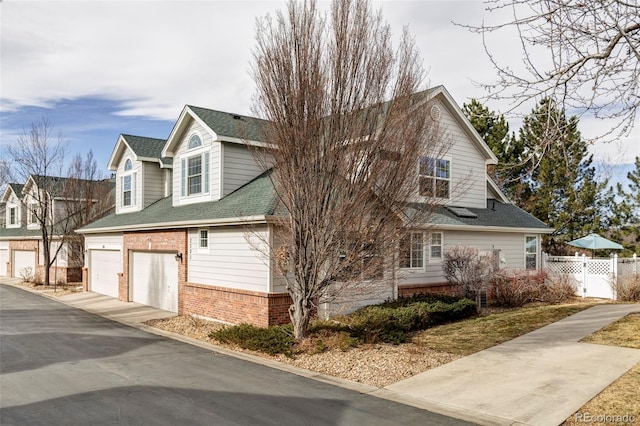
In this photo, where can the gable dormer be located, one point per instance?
(14, 209)
(457, 174)
(142, 175)
(211, 154)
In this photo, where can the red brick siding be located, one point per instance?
(233, 305)
(441, 288)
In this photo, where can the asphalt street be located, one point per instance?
(63, 366)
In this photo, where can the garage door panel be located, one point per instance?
(23, 260)
(104, 266)
(4, 258)
(155, 280)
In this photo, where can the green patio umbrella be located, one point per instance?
(595, 242)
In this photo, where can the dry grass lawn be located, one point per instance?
(473, 335)
(622, 397)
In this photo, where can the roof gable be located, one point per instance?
(12, 188)
(224, 126)
(441, 93)
(144, 149)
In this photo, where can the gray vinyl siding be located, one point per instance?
(468, 168)
(239, 165)
(152, 183)
(182, 152)
(510, 244)
(232, 259)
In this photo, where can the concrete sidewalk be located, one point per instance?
(540, 378)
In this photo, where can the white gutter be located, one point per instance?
(246, 220)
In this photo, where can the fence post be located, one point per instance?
(614, 275)
(584, 275)
(635, 264)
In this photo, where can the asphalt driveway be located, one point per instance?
(61, 365)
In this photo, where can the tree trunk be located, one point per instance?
(300, 313)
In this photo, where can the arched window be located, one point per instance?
(127, 165)
(194, 141)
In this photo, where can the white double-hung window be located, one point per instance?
(128, 184)
(434, 177)
(194, 169)
(419, 248)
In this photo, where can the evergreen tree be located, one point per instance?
(625, 211)
(564, 192)
(494, 130)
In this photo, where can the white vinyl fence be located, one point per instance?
(594, 277)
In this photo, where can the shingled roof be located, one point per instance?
(232, 125)
(255, 199)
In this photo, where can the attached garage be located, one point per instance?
(4, 258)
(24, 261)
(154, 279)
(104, 266)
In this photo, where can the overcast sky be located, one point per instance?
(100, 68)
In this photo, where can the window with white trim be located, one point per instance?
(194, 170)
(128, 184)
(436, 246)
(415, 248)
(434, 176)
(33, 213)
(13, 215)
(531, 252)
(203, 239)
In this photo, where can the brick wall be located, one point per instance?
(441, 288)
(234, 306)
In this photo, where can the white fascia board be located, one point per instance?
(178, 128)
(245, 142)
(121, 145)
(498, 191)
(477, 228)
(245, 220)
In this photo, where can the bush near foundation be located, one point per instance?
(389, 322)
(516, 288)
(628, 288)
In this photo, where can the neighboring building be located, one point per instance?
(21, 245)
(193, 213)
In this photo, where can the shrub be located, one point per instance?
(515, 288)
(391, 322)
(557, 288)
(464, 268)
(26, 274)
(272, 340)
(628, 288)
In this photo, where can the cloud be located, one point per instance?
(150, 58)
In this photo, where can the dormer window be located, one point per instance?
(194, 169)
(128, 185)
(195, 142)
(13, 216)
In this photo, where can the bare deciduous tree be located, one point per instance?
(60, 204)
(583, 54)
(347, 130)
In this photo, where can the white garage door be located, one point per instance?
(155, 280)
(23, 260)
(104, 266)
(4, 258)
